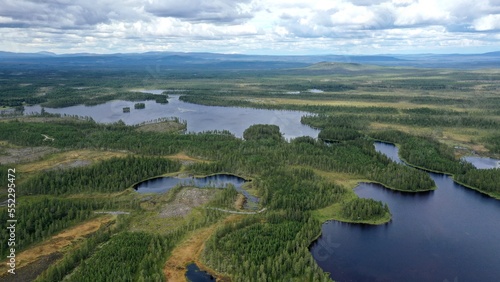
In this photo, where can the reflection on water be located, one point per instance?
(452, 234)
(483, 163)
(388, 149)
(199, 118)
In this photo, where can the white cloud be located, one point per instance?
(486, 23)
(257, 26)
(215, 11)
(421, 12)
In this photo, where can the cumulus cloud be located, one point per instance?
(62, 14)
(285, 26)
(487, 23)
(162, 28)
(215, 11)
(383, 15)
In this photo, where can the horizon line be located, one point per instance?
(48, 53)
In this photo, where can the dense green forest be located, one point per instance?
(126, 257)
(272, 248)
(434, 156)
(425, 152)
(364, 209)
(289, 194)
(297, 190)
(353, 108)
(113, 175)
(493, 143)
(338, 134)
(114, 252)
(486, 180)
(231, 154)
(71, 260)
(338, 121)
(52, 215)
(263, 131)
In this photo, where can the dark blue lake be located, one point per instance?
(194, 274)
(450, 234)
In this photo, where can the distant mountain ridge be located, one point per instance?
(241, 61)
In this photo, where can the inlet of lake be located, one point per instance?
(450, 234)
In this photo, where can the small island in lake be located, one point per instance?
(139, 106)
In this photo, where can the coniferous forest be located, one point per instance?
(92, 168)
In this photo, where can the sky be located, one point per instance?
(275, 27)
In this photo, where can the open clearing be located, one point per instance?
(345, 179)
(70, 159)
(185, 159)
(291, 101)
(185, 201)
(15, 155)
(165, 212)
(165, 126)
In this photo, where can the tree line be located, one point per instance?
(485, 180)
(128, 256)
(229, 154)
(364, 209)
(432, 155)
(113, 175)
(271, 247)
(424, 152)
(44, 217)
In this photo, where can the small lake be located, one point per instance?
(194, 274)
(163, 184)
(482, 163)
(450, 234)
(199, 117)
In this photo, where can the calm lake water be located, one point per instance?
(199, 118)
(450, 234)
(482, 163)
(163, 184)
(388, 149)
(194, 274)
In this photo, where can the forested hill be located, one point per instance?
(183, 60)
